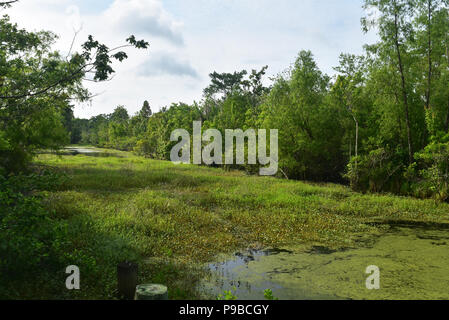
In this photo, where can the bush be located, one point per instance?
(378, 171)
(435, 173)
(30, 237)
(14, 160)
(142, 148)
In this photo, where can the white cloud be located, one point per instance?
(163, 63)
(191, 38)
(146, 17)
(74, 19)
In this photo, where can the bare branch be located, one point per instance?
(73, 42)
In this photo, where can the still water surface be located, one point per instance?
(413, 260)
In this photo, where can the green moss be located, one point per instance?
(413, 262)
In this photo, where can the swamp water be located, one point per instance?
(87, 151)
(413, 261)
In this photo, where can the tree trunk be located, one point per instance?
(429, 53)
(356, 148)
(356, 139)
(404, 89)
(446, 125)
(350, 149)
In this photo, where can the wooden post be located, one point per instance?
(127, 280)
(151, 292)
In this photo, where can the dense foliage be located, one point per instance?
(37, 89)
(380, 123)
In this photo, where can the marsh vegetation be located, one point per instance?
(360, 151)
(173, 220)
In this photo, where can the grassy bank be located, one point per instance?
(171, 219)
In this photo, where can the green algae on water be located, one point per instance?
(413, 263)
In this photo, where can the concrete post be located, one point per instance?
(151, 292)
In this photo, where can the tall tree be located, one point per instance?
(225, 83)
(348, 87)
(146, 112)
(395, 29)
(37, 85)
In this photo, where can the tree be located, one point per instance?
(432, 31)
(37, 83)
(225, 83)
(348, 88)
(7, 4)
(120, 115)
(145, 112)
(310, 130)
(394, 30)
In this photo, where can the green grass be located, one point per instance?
(171, 219)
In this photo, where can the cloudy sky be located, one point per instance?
(191, 38)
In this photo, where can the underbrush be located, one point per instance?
(31, 237)
(39, 240)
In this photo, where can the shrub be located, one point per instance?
(142, 148)
(29, 236)
(378, 171)
(435, 172)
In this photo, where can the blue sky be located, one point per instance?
(192, 38)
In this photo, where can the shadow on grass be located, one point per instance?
(97, 253)
(119, 180)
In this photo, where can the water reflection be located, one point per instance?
(237, 275)
(90, 152)
(413, 259)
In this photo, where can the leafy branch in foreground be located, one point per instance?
(7, 4)
(37, 85)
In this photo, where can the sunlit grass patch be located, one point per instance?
(172, 218)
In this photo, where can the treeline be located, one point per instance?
(117, 130)
(381, 124)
